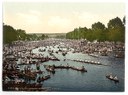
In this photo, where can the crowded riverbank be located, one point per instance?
(31, 64)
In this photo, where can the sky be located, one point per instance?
(55, 17)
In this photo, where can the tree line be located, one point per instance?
(10, 34)
(115, 31)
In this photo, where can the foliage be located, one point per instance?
(10, 34)
(115, 31)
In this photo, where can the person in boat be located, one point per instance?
(115, 78)
(37, 66)
(9, 66)
(25, 69)
(6, 79)
(67, 65)
(53, 65)
(28, 69)
(82, 68)
(28, 61)
(110, 76)
(17, 81)
(39, 79)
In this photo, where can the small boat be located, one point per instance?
(54, 59)
(79, 69)
(112, 78)
(50, 69)
(119, 55)
(94, 55)
(47, 77)
(43, 78)
(104, 54)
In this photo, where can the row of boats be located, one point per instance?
(88, 61)
(51, 68)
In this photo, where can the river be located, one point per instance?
(92, 80)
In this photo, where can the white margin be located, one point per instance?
(64, 93)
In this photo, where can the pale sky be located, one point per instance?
(40, 17)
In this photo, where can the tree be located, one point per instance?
(42, 37)
(9, 34)
(99, 31)
(21, 34)
(116, 30)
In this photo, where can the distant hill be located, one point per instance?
(52, 35)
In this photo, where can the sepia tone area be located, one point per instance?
(69, 47)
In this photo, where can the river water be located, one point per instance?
(92, 80)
